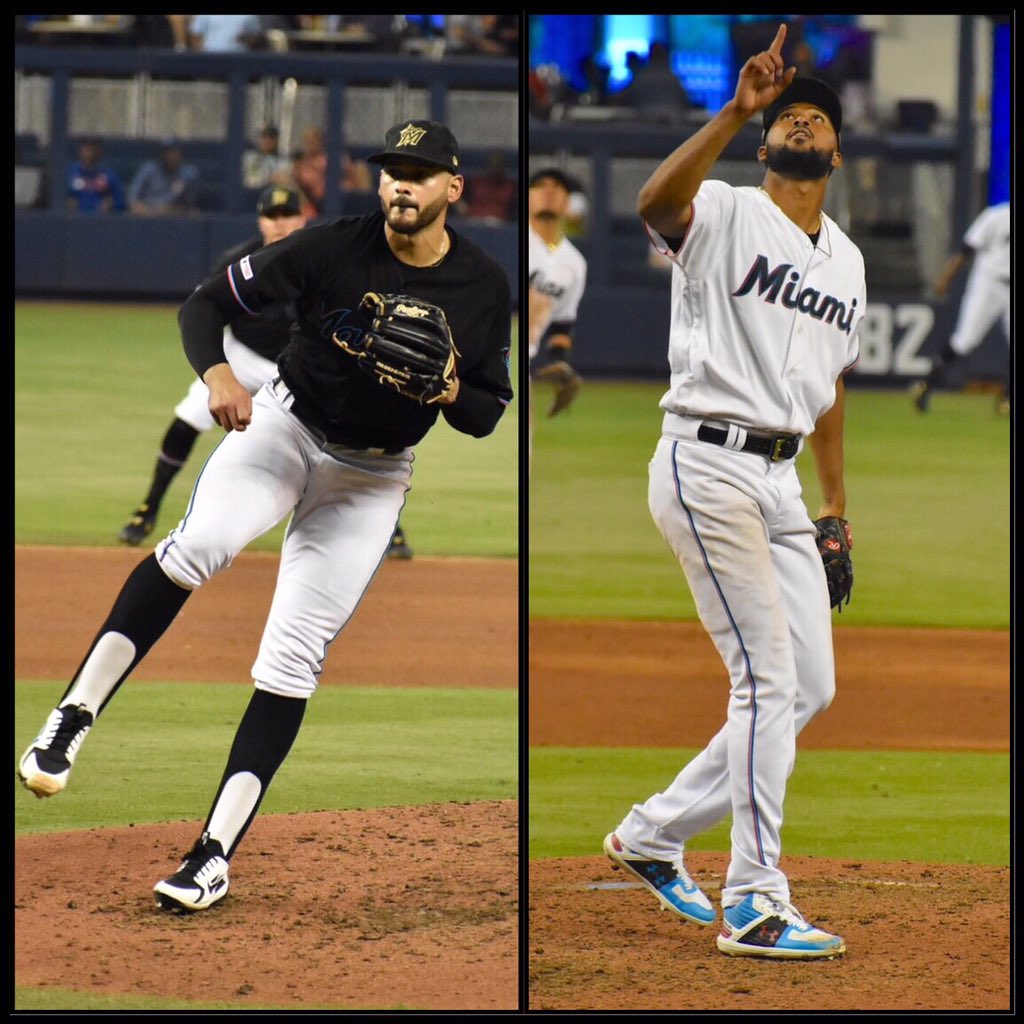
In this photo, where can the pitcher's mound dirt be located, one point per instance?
(918, 937)
(404, 907)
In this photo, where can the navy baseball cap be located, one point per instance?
(428, 142)
(554, 174)
(805, 89)
(278, 199)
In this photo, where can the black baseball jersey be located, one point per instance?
(268, 333)
(326, 270)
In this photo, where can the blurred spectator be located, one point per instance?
(595, 93)
(264, 165)
(162, 31)
(491, 194)
(224, 33)
(166, 185)
(309, 172)
(548, 90)
(803, 57)
(491, 35)
(499, 35)
(656, 93)
(93, 187)
(388, 30)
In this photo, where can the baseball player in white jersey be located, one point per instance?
(324, 443)
(986, 298)
(767, 295)
(557, 279)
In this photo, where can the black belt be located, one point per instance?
(333, 437)
(775, 446)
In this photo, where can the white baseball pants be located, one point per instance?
(738, 526)
(344, 506)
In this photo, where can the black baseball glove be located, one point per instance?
(408, 347)
(834, 543)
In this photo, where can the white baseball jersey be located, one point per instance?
(561, 274)
(763, 320)
(989, 237)
(251, 369)
(986, 297)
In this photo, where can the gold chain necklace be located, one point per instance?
(444, 250)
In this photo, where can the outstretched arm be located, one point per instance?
(664, 200)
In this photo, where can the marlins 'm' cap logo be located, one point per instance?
(410, 135)
(428, 142)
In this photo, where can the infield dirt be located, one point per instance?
(919, 936)
(418, 907)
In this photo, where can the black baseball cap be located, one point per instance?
(554, 174)
(278, 199)
(428, 142)
(805, 89)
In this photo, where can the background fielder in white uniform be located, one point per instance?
(767, 295)
(557, 273)
(986, 298)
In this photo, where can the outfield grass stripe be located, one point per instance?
(82, 469)
(928, 501)
(158, 751)
(874, 805)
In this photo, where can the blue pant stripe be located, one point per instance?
(746, 657)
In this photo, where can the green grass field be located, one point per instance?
(944, 808)
(929, 504)
(367, 746)
(95, 387)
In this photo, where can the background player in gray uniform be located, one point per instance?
(251, 344)
(323, 443)
(767, 294)
(986, 299)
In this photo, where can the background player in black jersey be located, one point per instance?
(323, 443)
(251, 344)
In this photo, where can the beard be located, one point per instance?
(801, 164)
(424, 217)
(547, 215)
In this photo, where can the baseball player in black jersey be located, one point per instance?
(251, 344)
(325, 443)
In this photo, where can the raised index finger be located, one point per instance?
(780, 38)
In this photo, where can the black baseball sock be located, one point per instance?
(147, 604)
(175, 449)
(941, 363)
(265, 735)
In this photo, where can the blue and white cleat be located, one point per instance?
(668, 880)
(761, 926)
